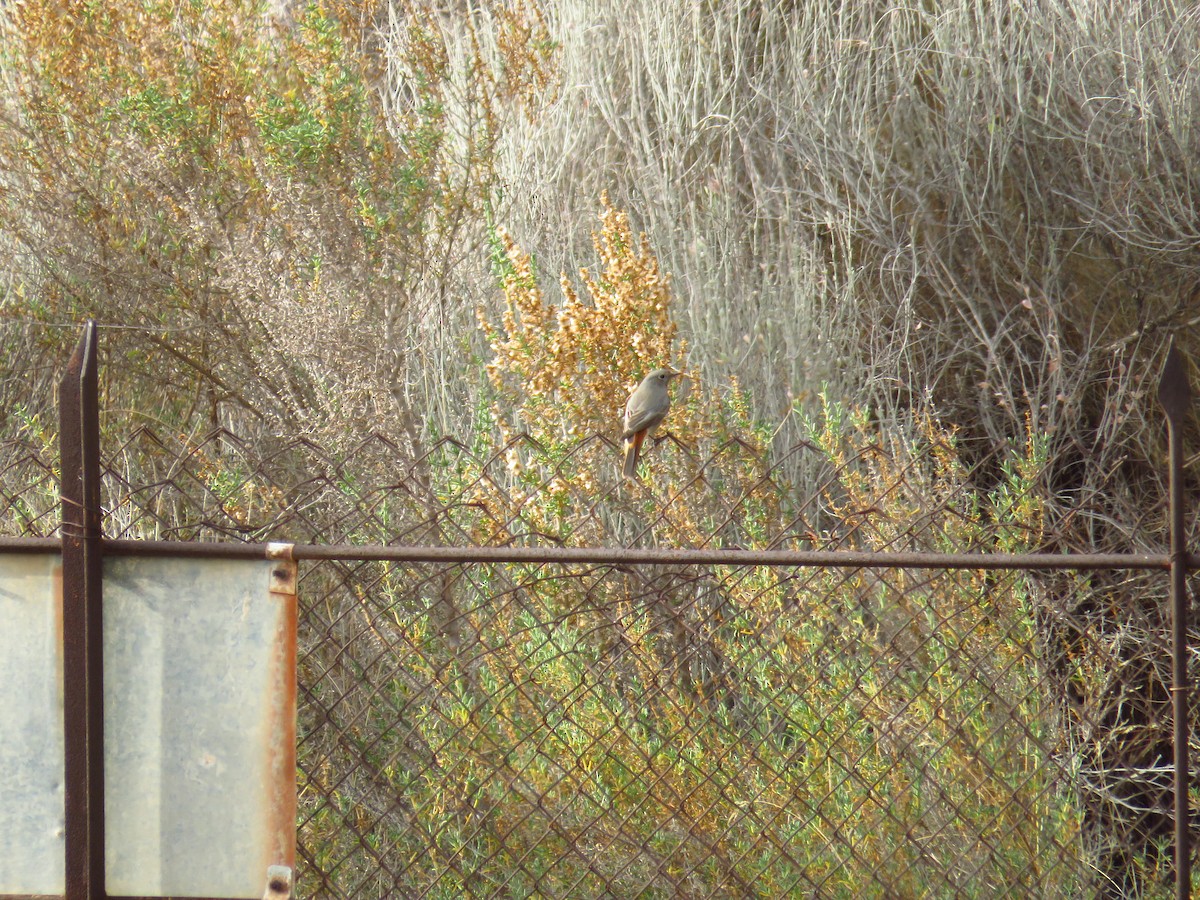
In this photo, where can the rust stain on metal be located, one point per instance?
(280, 551)
(283, 577)
(281, 705)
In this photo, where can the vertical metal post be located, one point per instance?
(83, 686)
(1175, 395)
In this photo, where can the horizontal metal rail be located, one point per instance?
(615, 556)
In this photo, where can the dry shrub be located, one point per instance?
(565, 371)
(272, 212)
(561, 374)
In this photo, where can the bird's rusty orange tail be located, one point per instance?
(633, 449)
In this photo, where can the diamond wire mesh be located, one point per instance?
(702, 731)
(725, 733)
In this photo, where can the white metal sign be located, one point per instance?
(199, 725)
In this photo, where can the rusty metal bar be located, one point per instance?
(83, 688)
(30, 545)
(1175, 395)
(618, 556)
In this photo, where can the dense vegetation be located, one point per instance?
(973, 224)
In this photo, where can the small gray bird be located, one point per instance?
(644, 412)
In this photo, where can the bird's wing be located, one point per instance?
(639, 414)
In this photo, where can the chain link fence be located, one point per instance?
(680, 730)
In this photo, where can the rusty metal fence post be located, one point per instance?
(83, 672)
(1175, 396)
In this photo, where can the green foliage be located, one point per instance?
(768, 730)
(1019, 498)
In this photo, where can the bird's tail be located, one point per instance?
(633, 446)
